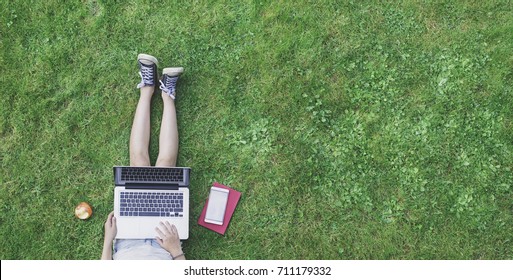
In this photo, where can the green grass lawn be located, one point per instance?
(353, 129)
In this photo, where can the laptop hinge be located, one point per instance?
(150, 186)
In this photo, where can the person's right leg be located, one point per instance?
(168, 142)
(140, 134)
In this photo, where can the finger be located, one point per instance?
(159, 241)
(109, 218)
(174, 229)
(165, 228)
(169, 227)
(161, 234)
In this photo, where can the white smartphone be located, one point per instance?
(216, 206)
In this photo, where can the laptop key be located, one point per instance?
(149, 214)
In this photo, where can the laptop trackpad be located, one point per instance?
(142, 228)
(129, 228)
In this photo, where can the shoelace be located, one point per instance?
(146, 74)
(168, 86)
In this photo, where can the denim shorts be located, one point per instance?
(123, 244)
(139, 249)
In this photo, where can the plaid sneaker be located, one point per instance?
(169, 79)
(147, 70)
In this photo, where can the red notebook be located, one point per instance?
(233, 199)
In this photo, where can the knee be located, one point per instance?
(139, 159)
(168, 161)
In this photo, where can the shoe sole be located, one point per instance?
(147, 57)
(172, 71)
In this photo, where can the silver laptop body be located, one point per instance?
(145, 196)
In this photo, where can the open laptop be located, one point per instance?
(145, 196)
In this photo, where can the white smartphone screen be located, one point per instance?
(216, 206)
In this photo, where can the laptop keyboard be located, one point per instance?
(151, 204)
(151, 174)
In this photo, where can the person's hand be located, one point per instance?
(110, 228)
(168, 238)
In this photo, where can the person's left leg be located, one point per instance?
(140, 133)
(168, 141)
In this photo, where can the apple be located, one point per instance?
(83, 211)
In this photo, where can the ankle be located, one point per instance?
(147, 90)
(166, 97)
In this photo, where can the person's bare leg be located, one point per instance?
(140, 135)
(168, 142)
